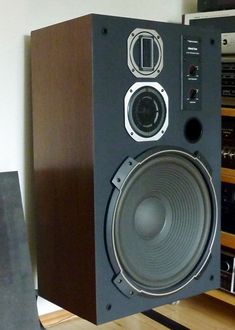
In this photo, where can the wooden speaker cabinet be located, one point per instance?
(126, 125)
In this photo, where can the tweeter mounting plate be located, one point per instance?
(145, 53)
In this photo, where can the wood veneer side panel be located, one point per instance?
(63, 161)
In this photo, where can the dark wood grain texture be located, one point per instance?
(63, 162)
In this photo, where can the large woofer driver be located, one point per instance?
(161, 223)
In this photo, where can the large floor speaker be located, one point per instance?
(126, 122)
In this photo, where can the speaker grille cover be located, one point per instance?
(163, 217)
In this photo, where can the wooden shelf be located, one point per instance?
(228, 112)
(228, 175)
(200, 312)
(228, 240)
(57, 317)
(227, 297)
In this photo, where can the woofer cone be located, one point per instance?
(162, 221)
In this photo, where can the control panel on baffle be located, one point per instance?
(191, 79)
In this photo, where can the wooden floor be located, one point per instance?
(198, 313)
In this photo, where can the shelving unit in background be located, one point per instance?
(228, 175)
(227, 239)
(228, 112)
(223, 296)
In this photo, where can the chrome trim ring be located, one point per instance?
(131, 41)
(127, 102)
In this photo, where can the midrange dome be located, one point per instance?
(162, 217)
(146, 111)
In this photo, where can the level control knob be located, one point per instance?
(193, 93)
(193, 70)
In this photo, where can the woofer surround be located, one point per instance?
(162, 219)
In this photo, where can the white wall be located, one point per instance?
(46, 12)
(17, 20)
